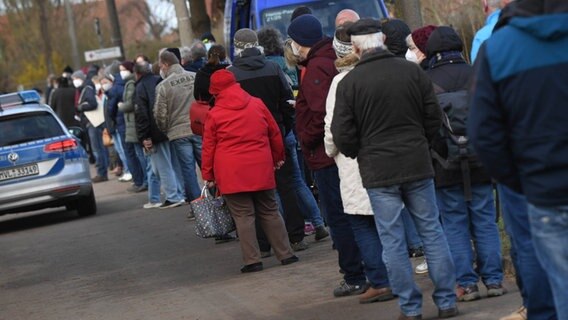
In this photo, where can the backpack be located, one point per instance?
(461, 155)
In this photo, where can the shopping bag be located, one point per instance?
(212, 217)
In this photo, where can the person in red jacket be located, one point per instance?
(242, 147)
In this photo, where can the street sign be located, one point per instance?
(103, 54)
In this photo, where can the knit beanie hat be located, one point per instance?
(396, 32)
(128, 65)
(306, 30)
(420, 37)
(79, 75)
(221, 80)
(245, 38)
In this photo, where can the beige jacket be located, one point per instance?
(174, 95)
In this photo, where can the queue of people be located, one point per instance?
(381, 121)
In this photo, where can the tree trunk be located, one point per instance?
(116, 38)
(200, 22)
(45, 34)
(184, 26)
(72, 35)
(409, 11)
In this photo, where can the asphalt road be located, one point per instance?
(131, 263)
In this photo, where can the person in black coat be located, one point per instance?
(63, 102)
(464, 220)
(216, 61)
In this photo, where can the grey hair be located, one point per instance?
(198, 50)
(369, 41)
(185, 53)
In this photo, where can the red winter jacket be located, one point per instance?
(241, 143)
(310, 104)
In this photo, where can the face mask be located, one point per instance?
(162, 74)
(97, 86)
(295, 49)
(411, 56)
(107, 86)
(77, 83)
(125, 74)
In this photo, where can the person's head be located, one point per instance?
(197, 51)
(346, 15)
(366, 35)
(97, 82)
(416, 43)
(245, 39)
(208, 40)
(175, 51)
(78, 78)
(221, 80)
(142, 69)
(126, 69)
(489, 6)
(185, 53)
(305, 31)
(62, 82)
(271, 40)
(67, 72)
(342, 40)
(107, 81)
(167, 60)
(141, 58)
(443, 39)
(216, 54)
(395, 31)
(299, 11)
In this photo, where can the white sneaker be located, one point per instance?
(151, 205)
(125, 177)
(421, 268)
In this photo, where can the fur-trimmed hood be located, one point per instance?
(346, 63)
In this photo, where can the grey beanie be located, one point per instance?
(79, 75)
(245, 38)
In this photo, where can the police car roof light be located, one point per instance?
(19, 98)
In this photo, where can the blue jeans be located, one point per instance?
(196, 143)
(142, 161)
(153, 181)
(306, 200)
(371, 249)
(99, 150)
(183, 161)
(136, 168)
(327, 180)
(534, 284)
(162, 164)
(412, 238)
(420, 200)
(472, 220)
(549, 227)
(119, 147)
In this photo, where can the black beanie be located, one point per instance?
(396, 31)
(306, 30)
(299, 11)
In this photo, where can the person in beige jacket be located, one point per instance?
(173, 98)
(356, 202)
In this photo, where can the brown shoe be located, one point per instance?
(374, 295)
(98, 179)
(405, 317)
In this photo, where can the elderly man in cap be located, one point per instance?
(388, 126)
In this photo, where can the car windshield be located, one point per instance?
(326, 11)
(28, 127)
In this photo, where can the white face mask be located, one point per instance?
(97, 87)
(107, 86)
(208, 46)
(411, 56)
(125, 74)
(162, 74)
(77, 83)
(295, 49)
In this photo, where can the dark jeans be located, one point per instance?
(291, 212)
(535, 287)
(136, 169)
(99, 150)
(327, 180)
(369, 243)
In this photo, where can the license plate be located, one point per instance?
(19, 172)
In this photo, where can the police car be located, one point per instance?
(42, 165)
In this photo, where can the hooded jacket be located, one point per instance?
(386, 113)
(450, 72)
(202, 81)
(173, 98)
(145, 97)
(127, 108)
(241, 142)
(265, 80)
(518, 120)
(114, 118)
(310, 104)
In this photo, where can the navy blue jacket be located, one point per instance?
(113, 117)
(519, 116)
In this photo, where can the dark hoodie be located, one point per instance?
(516, 123)
(264, 79)
(203, 79)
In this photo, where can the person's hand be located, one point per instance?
(147, 144)
(279, 164)
(120, 104)
(210, 184)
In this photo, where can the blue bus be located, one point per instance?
(255, 14)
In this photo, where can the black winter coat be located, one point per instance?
(63, 103)
(144, 98)
(386, 113)
(203, 81)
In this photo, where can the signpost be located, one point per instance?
(103, 54)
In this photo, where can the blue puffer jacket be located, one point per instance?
(113, 117)
(519, 116)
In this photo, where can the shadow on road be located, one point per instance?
(36, 219)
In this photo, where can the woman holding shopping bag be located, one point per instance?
(242, 147)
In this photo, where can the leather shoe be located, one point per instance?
(290, 260)
(448, 313)
(374, 295)
(253, 267)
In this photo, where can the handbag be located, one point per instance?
(107, 139)
(197, 114)
(212, 216)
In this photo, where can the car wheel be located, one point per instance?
(86, 206)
